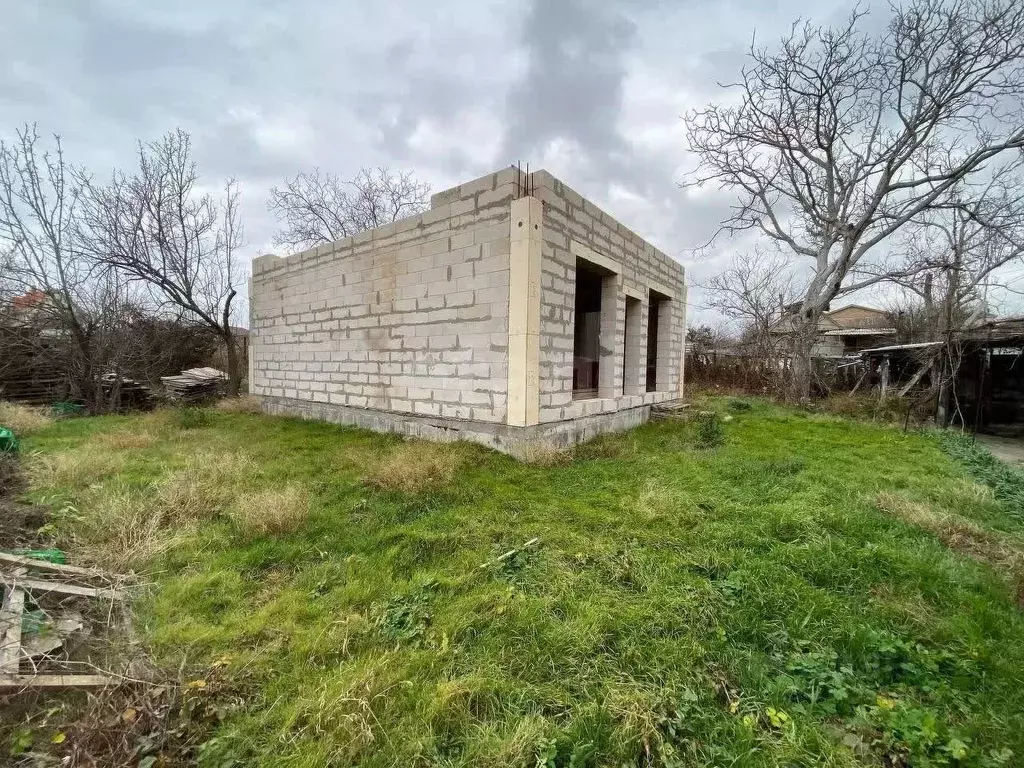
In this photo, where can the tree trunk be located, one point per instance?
(234, 374)
(801, 371)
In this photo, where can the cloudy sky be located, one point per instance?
(592, 90)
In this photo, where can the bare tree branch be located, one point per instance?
(317, 208)
(840, 138)
(157, 228)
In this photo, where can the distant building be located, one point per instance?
(847, 331)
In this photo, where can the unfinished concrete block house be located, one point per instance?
(513, 312)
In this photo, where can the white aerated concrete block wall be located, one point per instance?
(411, 317)
(575, 229)
(458, 323)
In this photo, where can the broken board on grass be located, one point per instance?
(26, 579)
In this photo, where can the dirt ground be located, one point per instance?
(1008, 449)
(19, 522)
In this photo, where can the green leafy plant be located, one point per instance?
(1007, 482)
(710, 432)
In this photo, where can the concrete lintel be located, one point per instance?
(633, 293)
(585, 252)
(662, 289)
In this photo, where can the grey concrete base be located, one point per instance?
(521, 442)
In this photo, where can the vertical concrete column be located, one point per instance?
(682, 342)
(665, 346)
(609, 374)
(524, 312)
(635, 349)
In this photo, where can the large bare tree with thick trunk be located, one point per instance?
(157, 227)
(318, 208)
(839, 138)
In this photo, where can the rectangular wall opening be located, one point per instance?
(586, 353)
(632, 341)
(657, 341)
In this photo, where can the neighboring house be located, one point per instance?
(846, 331)
(513, 313)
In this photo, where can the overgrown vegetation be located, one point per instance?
(804, 591)
(23, 420)
(1007, 482)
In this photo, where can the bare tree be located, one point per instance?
(953, 253)
(840, 138)
(157, 227)
(40, 223)
(754, 292)
(317, 208)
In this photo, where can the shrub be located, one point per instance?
(242, 404)
(271, 512)
(416, 466)
(709, 430)
(192, 417)
(23, 420)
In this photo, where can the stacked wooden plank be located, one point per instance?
(195, 385)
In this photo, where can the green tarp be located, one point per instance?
(8, 442)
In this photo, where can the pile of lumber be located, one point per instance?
(195, 385)
(129, 392)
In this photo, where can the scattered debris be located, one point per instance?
(510, 553)
(40, 616)
(128, 392)
(195, 385)
(674, 409)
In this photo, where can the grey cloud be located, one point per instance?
(594, 89)
(572, 88)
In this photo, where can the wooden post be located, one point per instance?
(885, 376)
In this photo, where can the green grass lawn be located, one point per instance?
(812, 591)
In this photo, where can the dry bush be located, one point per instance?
(241, 404)
(118, 528)
(416, 466)
(958, 533)
(23, 420)
(204, 487)
(77, 468)
(271, 512)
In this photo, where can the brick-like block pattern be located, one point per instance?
(411, 317)
(569, 217)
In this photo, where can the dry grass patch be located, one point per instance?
(541, 455)
(416, 466)
(998, 550)
(205, 486)
(77, 468)
(23, 420)
(125, 440)
(241, 404)
(118, 528)
(271, 512)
